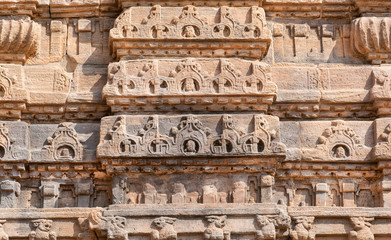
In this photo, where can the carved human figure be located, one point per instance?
(190, 146)
(303, 229)
(42, 230)
(189, 85)
(165, 229)
(267, 228)
(189, 32)
(340, 152)
(3, 235)
(215, 230)
(362, 229)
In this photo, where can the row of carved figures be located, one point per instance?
(268, 227)
(191, 137)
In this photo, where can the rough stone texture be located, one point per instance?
(210, 119)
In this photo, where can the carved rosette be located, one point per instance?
(19, 40)
(371, 37)
(64, 144)
(161, 137)
(172, 34)
(337, 143)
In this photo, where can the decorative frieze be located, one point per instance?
(192, 27)
(183, 83)
(189, 136)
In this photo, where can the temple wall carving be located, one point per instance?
(211, 119)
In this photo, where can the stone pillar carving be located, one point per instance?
(362, 229)
(267, 183)
(50, 193)
(322, 192)
(10, 191)
(42, 230)
(165, 229)
(303, 229)
(215, 228)
(83, 192)
(348, 191)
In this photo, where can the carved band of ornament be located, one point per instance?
(188, 78)
(190, 137)
(174, 3)
(371, 37)
(19, 40)
(193, 25)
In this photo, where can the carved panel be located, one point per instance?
(188, 135)
(303, 229)
(176, 81)
(338, 143)
(164, 229)
(170, 25)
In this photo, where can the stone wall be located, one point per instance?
(204, 119)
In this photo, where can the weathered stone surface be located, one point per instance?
(220, 120)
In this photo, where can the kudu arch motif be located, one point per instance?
(190, 137)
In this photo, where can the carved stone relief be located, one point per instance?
(192, 23)
(190, 137)
(9, 192)
(362, 228)
(215, 228)
(188, 77)
(370, 37)
(164, 229)
(303, 229)
(338, 142)
(111, 227)
(22, 45)
(42, 230)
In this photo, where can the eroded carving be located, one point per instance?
(5, 143)
(371, 38)
(19, 39)
(338, 142)
(215, 230)
(362, 228)
(3, 234)
(64, 145)
(111, 227)
(42, 230)
(381, 84)
(303, 229)
(165, 229)
(10, 191)
(189, 78)
(383, 147)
